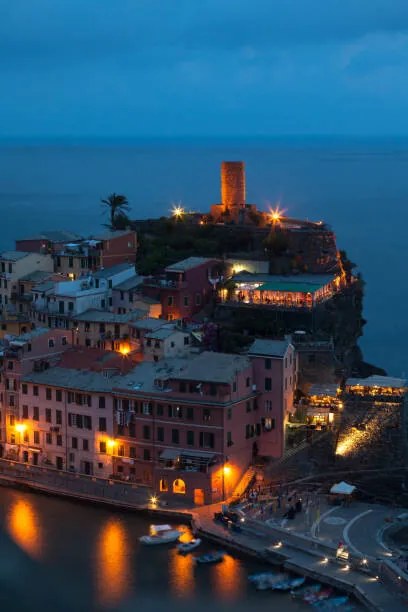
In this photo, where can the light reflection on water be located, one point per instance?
(113, 563)
(228, 578)
(23, 525)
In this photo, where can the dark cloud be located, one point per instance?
(200, 66)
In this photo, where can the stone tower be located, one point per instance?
(233, 185)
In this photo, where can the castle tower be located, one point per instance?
(233, 185)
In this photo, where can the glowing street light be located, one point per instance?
(276, 215)
(21, 427)
(178, 212)
(154, 500)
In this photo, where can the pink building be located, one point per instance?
(185, 288)
(36, 350)
(275, 373)
(191, 427)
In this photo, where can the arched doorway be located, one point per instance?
(199, 497)
(179, 486)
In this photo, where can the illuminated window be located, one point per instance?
(164, 485)
(179, 486)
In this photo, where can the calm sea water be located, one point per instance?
(360, 187)
(69, 557)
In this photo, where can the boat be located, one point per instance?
(211, 557)
(271, 581)
(186, 547)
(331, 603)
(260, 576)
(319, 596)
(307, 590)
(292, 583)
(161, 534)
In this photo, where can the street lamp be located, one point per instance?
(20, 429)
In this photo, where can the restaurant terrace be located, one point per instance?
(296, 291)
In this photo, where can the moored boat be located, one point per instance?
(186, 547)
(161, 534)
(211, 557)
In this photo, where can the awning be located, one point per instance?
(170, 453)
(199, 454)
(342, 488)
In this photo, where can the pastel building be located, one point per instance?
(275, 374)
(191, 426)
(66, 420)
(166, 342)
(185, 288)
(13, 266)
(106, 330)
(35, 350)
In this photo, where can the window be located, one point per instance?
(229, 439)
(229, 414)
(186, 340)
(58, 417)
(85, 445)
(121, 450)
(198, 299)
(10, 365)
(102, 447)
(170, 300)
(206, 414)
(36, 437)
(10, 268)
(132, 430)
(51, 343)
(132, 452)
(146, 432)
(268, 406)
(182, 387)
(268, 423)
(48, 438)
(248, 406)
(29, 347)
(146, 454)
(102, 424)
(186, 300)
(268, 384)
(36, 413)
(190, 413)
(59, 440)
(70, 262)
(286, 383)
(147, 408)
(175, 436)
(48, 394)
(64, 341)
(268, 364)
(190, 438)
(26, 437)
(286, 362)
(35, 390)
(213, 389)
(249, 431)
(101, 401)
(70, 306)
(58, 395)
(87, 422)
(160, 434)
(234, 386)
(206, 439)
(48, 418)
(74, 443)
(101, 328)
(248, 381)
(159, 409)
(25, 412)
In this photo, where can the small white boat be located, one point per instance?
(186, 547)
(161, 534)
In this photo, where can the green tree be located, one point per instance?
(118, 206)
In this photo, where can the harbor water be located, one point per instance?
(60, 555)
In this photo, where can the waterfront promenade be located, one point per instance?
(297, 545)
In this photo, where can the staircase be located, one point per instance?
(247, 479)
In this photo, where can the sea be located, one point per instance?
(358, 186)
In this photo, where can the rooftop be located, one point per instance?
(54, 236)
(378, 381)
(69, 378)
(14, 255)
(268, 348)
(213, 367)
(97, 360)
(43, 287)
(108, 272)
(326, 389)
(189, 264)
(303, 283)
(29, 336)
(148, 323)
(36, 277)
(108, 235)
(130, 283)
(109, 317)
(162, 333)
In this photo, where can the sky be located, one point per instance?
(174, 68)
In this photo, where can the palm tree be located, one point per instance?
(117, 204)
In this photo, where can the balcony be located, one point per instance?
(164, 283)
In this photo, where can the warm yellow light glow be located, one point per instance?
(227, 470)
(325, 560)
(71, 275)
(181, 574)
(124, 349)
(153, 500)
(228, 579)
(276, 214)
(178, 212)
(111, 444)
(355, 440)
(23, 526)
(21, 427)
(112, 563)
